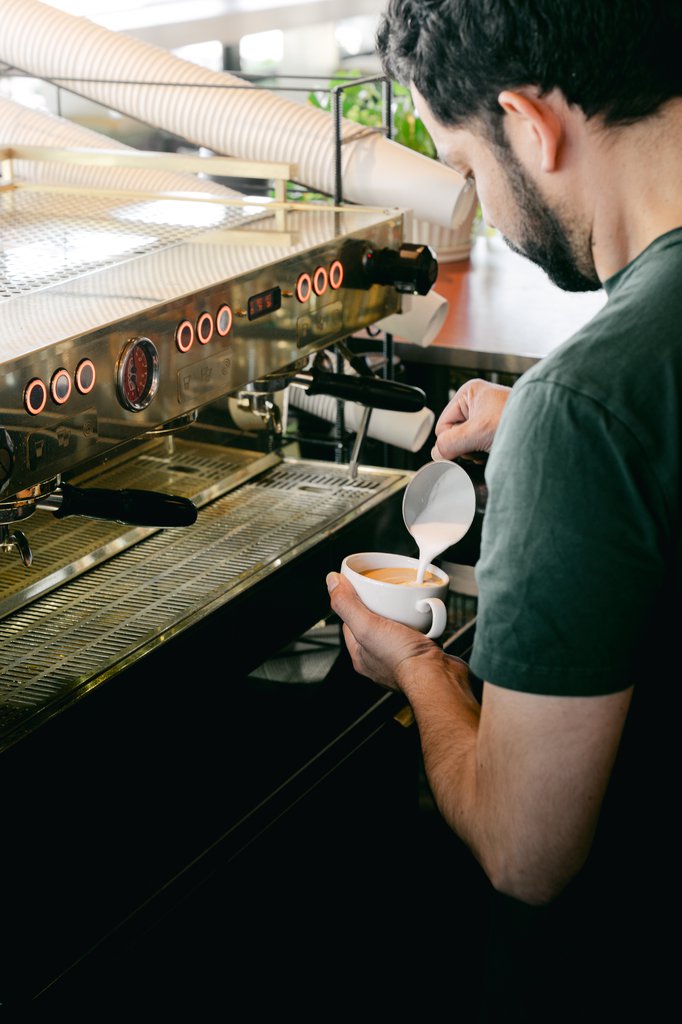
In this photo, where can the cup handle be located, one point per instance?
(439, 612)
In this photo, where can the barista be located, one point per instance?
(562, 780)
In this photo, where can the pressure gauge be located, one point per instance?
(138, 374)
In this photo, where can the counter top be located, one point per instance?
(504, 313)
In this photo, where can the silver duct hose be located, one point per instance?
(20, 126)
(225, 114)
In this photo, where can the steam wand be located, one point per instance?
(360, 436)
(361, 366)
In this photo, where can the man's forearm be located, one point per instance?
(447, 716)
(521, 778)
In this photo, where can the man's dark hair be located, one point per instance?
(619, 59)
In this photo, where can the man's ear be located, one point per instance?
(536, 119)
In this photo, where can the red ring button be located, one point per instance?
(205, 328)
(336, 274)
(184, 336)
(35, 396)
(223, 320)
(320, 281)
(60, 386)
(304, 287)
(85, 376)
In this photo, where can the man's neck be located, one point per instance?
(636, 187)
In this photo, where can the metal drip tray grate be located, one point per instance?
(63, 549)
(76, 635)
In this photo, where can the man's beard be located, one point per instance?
(543, 238)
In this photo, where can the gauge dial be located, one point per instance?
(138, 374)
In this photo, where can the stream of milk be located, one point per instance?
(433, 538)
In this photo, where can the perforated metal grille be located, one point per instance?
(169, 580)
(48, 239)
(62, 549)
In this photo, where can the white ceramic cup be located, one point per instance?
(421, 606)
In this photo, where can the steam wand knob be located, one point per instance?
(412, 269)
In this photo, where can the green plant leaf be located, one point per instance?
(364, 104)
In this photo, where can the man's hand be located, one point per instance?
(379, 648)
(469, 420)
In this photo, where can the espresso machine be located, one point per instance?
(152, 555)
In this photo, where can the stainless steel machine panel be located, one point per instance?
(120, 315)
(134, 741)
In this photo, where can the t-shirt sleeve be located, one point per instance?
(570, 562)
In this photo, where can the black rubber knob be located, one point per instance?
(411, 269)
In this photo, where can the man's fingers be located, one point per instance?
(344, 600)
(451, 443)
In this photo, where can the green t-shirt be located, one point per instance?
(579, 594)
(580, 573)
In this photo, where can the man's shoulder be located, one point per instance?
(631, 345)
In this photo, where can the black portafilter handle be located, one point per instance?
(376, 392)
(132, 507)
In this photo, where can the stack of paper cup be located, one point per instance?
(420, 321)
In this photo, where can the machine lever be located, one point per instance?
(134, 507)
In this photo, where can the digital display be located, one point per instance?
(264, 303)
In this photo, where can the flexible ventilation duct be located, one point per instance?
(20, 126)
(225, 114)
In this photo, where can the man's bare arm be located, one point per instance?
(520, 778)
(523, 783)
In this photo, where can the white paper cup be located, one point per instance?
(420, 322)
(421, 606)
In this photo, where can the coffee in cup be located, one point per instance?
(399, 576)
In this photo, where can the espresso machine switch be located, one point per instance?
(411, 269)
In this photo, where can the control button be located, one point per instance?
(223, 320)
(60, 386)
(320, 281)
(85, 376)
(336, 274)
(304, 287)
(35, 396)
(184, 336)
(205, 328)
